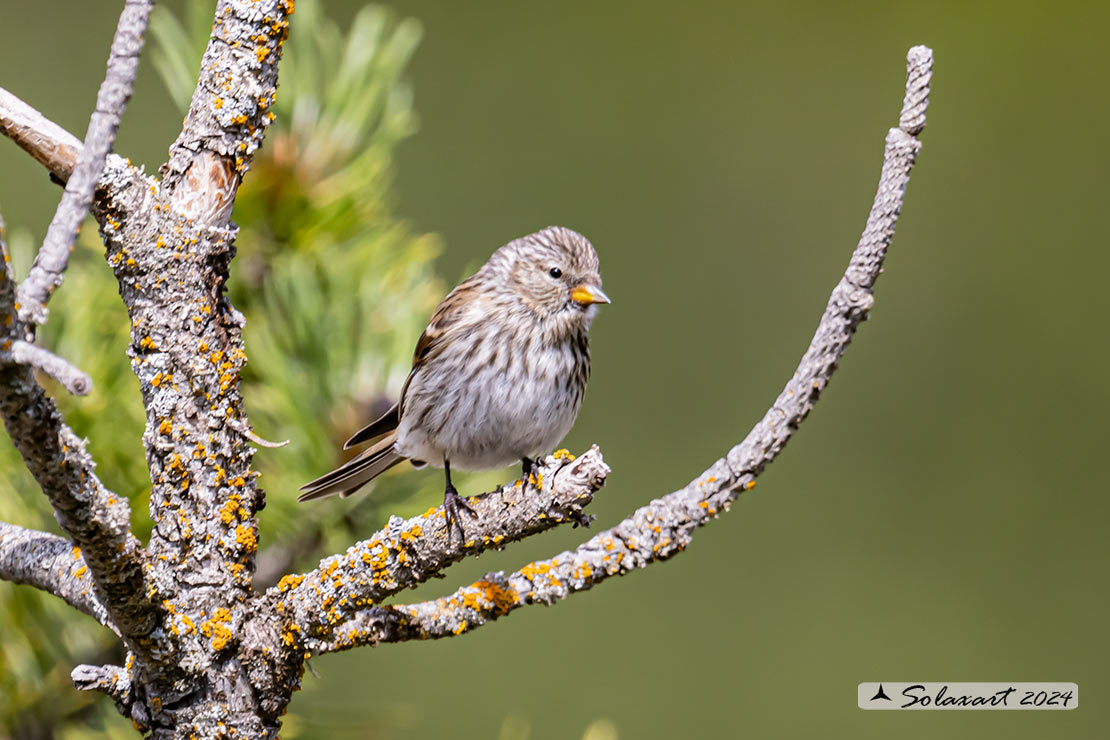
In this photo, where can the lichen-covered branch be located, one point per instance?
(52, 564)
(208, 655)
(169, 243)
(112, 680)
(406, 553)
(97, 520)
(50, 263)
(665, 527)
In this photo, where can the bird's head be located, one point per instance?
(553, 273)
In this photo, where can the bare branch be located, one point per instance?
(665, 527)
(73, 379)
(406, 553)
(50, 144)
(50, 563)
(50, 263)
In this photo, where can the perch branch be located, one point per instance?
(665, 526)
(406, 553)
(50, 263)
(49, 563)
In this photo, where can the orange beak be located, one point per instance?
(587, 294)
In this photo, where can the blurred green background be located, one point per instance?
(941, 516)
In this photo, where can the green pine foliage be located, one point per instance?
(335, 289)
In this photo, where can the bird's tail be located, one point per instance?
(355, 473)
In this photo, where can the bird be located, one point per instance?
(497, 376)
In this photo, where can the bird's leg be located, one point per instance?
(527, 468)
(451, 503)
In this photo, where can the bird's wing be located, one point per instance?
(460, 303)
(387, 422)
(461, 306)
(450, 313)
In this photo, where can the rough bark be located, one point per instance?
(209, 655)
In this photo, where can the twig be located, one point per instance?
(113, 680)
(665, 527)
(247, 432)
(50, 144)
(51, 261)
(73, 379)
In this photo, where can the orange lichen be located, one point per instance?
(246, 537)
(147, 343)
(230, 508)
(562, 454)
(289, 581)
(750, 485)
(79, 572)
(217, 629)
(189, 626)
(532, 570)
(501, 599)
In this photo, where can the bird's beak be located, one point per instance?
(587, 294)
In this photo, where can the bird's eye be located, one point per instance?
(555, 272)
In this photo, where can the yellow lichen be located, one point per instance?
(217, 629)
(246, 537)
(230, 508)
(289, 581)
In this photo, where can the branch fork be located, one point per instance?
(207, 652)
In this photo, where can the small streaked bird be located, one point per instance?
(498, 375)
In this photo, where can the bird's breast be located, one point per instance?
(493, 396)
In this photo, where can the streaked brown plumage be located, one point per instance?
(499, 373)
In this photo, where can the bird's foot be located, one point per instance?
(452, 502)
(580, 517)
(530, 473)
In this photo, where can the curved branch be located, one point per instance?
(52, 564)
(51, 261)
(665, 527)
(406, 553)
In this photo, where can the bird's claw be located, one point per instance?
(580, 517)
(452, 502)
